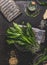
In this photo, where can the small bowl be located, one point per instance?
(32, 7)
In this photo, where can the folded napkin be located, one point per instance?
(9, 9)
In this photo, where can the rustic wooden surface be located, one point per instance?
(4, 24)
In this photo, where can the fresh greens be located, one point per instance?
(40, 59)
(42, 2)
(23, 36)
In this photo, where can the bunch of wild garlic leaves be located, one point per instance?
(23, 36)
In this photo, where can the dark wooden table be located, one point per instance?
(4, 24)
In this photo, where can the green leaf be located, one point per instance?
(20, 42)
(12, 33)
(25, 39)
(12, 29)
(29, 30)
(30, 34)
(17, 27)
(13, 37)
(10, 41)
(41, 59)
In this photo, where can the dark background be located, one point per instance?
(24, 58)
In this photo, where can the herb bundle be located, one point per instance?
(23, 36)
